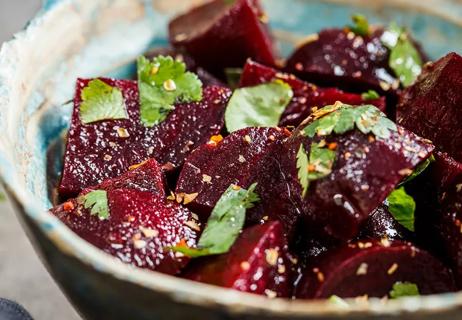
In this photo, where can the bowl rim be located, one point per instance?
(183, 290)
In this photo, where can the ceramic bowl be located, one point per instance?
(82, 38)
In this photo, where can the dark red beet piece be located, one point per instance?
(371, 268)
(306, 95)
(139, 229)
(145, 176)
(106, 149)
(222, 34)
(382, 225)
(213, 167)
(431, 106)
(258, 262)
(365, 171)
(207, 78)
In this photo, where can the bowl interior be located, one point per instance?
(73, 39)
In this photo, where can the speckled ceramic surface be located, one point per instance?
(82, 38)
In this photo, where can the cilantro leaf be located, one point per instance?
(404, 289)
(224, 224)
(360, 25)
(233, 76)
(343, 118)
(101, 101)
(302, 166)
(163, 82)
(317, 166)
(370, 95)
(404, 58)
(259, 106)
(402, 207)
(419, 169)
(97, 201)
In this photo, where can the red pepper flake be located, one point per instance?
(332, 146)
(136, 166)
(214, 140)
(299, 66)
(68, 206)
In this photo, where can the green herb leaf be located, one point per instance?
(419, 169)
(370, 95)
(97, 201)
(163, 82)
(233, 77)
(302, 166)
(402, 207)
(404, 58)
(343, 118)
(338, 301)
(101, 101)
(404, 289)
(224, 224)
(259, 106)
(318, 166)
(360, 25)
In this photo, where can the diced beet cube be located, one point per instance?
(146, 176)
(365, 171)
(258, 262)
(207, 78)
(222, 34)
(372, 268)
(140, 228)
(382, 225)
(445, 170)
(213, 167)
(431, 106)
(339, 57)
(106, 149)
(306, 95)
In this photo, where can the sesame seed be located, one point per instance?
(362, 269)
(149, 233)
(206, 178)
(281, 269)
(245, 266)
(139, 244)
(247, 138)
(122, 132)
(241, 158)
(272, 256)
(189, 197)
(181, 37)
(193, 225)
(392, 269)
(169, 85)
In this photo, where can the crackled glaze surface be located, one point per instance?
(80, 38)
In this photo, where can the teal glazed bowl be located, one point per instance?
(81, 38)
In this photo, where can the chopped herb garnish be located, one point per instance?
(341, 118)
(163, 82)
(317, 166)
(419, 169)
(404, 58)
(402, 207)
(360, 25)
(233, 76)
(370, 95)
(259, 106)
(97, 201)
(404, 289)
(224, 224)
(101, 101)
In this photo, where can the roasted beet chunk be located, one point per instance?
(139, 229)
(237, 159)
(341, 58)
(106, 149)
(372, 268)
(351, 173)
(258, 262)
(382, 225)
(223, 34)
(145, 176)
(306, 95)
(431, 107)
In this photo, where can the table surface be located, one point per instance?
(23, 278)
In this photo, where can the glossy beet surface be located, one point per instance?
(106, 149)
(339, 57)
(371, 268)
(382, 225)
(222, 34)
(140, 228)
(257, 263)
(431, 107)
(237, 159)
(365, 171)
(306, 95)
